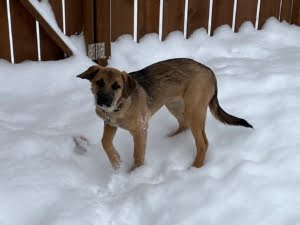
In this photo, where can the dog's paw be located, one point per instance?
(135, 166)
(116, 164)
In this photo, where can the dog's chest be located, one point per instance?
(112, 120)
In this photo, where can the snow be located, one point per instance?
(249, 176)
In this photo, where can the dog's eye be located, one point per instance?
(100, 83)
(115, 86)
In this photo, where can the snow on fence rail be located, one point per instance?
(22, 38)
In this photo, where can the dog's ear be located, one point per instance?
(90, 73)
(130, 84)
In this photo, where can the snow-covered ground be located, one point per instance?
(249, 177)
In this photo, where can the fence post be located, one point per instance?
(296, 13)
(88, 22)
(102, 26)
(96, 29)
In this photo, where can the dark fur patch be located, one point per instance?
(144, 79)
(152, 77)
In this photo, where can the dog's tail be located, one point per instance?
(223, 116)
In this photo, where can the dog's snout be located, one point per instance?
(104, 99)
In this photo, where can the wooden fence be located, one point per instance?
(23, 38)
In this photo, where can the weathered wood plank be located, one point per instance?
(23, 32)
(286, 10)
(74, 14)
(222, 13)
(198, 13)
(268, 8)
(121, 18)
(148, 17)
(246, 11)
(57, 10)
(296, 12)
(49, 49)
(173, 16)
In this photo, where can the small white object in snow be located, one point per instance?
(82, 144)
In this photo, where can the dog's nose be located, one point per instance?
(105, 100)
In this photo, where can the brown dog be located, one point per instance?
(184, 86)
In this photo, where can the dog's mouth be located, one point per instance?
(106, 107)
(111, 108)
(114, 107)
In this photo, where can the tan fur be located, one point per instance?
(184, 86)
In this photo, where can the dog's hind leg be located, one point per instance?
(196, 122)
(196, 104)
(176, 108)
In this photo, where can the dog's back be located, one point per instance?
(166, 77)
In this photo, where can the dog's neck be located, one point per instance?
(123, 103)
(120, 106)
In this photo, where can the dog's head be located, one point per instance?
(109, 86)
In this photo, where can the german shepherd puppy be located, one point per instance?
(128, 100)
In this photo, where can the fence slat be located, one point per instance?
(173, 16)
(296, 12)
(246, 11)
(49, 49)
(4, 33)
(121, 18)
(148, 17)
(24, 33)
(198, 13)
(74, 15)
(286, 10)
(102, 33)
(222, 13)
(88, 22)
(268, 8)
(57, 10)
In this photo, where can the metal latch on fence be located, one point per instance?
(96, 51)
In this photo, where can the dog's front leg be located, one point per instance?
(140, 139)
(107, 143)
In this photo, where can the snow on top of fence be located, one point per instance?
(45, 9)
